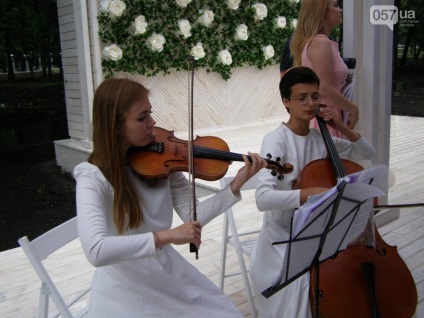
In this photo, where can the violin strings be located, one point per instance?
(217, 154)
(208, 152)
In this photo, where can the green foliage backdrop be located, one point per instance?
(162, 18)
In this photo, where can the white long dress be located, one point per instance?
(133, 279)
(278, 202)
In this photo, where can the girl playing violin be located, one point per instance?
(125, 225)
(297, 143)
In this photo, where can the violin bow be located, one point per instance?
(192, 191)
(399, 206)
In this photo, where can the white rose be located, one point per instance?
(233, 4)
(185, 28)
(197, 51)
(294, 23)
(156, 42)
(225, 57)
(112, 52)
(281, 23)
(268, 51)
(139, 25)
(206, 18)
(241, 33)
(114, 7)
(261, 11)
(183, 3)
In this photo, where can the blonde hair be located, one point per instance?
(112, 100)
(311, 20)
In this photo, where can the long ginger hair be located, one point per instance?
(111, 101)
(311, 20)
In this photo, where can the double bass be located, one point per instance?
(364, 280)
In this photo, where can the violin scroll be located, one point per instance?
(276, 167)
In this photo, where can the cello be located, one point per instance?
(366, 279)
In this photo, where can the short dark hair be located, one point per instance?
(296, 75)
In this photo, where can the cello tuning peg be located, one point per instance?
(280, 177)
(273, 173)
(268, 155)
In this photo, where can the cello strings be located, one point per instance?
(334, 156)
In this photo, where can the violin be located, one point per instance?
(364, 280)
(167, 154)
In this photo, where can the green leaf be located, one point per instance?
(162, 18)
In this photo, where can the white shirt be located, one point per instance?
(277, 199)
(133, 279)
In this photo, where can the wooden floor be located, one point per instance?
(19, 286)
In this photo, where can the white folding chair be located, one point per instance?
(38, 250)
(242, 241)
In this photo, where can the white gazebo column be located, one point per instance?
(371, 45)
(84, 66)
(72, 151)
(96, 56)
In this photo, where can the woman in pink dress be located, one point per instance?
(312, 47)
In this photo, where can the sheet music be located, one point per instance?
(377, 176)
(312, 218)
(303, 251)
(313, 202)
(351, 218)
(373, 175)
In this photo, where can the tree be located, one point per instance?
(29, 31)
(409, 34)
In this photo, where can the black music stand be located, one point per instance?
(322, 228)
